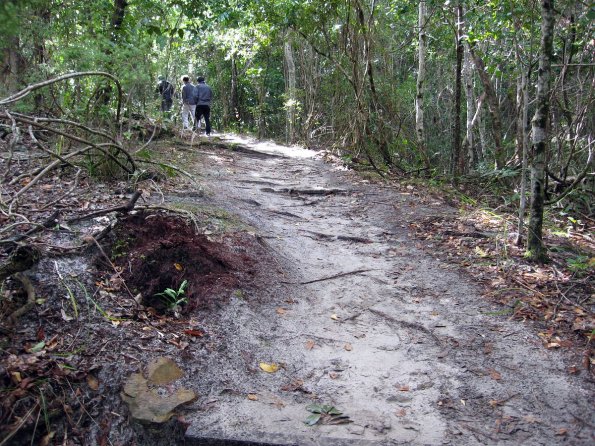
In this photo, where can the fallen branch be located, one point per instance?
(336, 276)
(124, 209)
(28, 286)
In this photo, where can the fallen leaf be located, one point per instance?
(194, 332)
(281, 311)
(562, 431)
(269, 368)
(178, 267)
(37, 347)
(92, 382)
(334, 317)
(401, 413)
(348, 347)
(495, 374)
(463, 402)
(333, 375)
(253, 397)
(404, 389)
(310, 344)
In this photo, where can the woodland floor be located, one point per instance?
(307, 284)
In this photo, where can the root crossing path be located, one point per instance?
(360, 318)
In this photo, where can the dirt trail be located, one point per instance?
(361, 319)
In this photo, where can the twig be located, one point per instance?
(335, 276)
(28, 286)
(124, 209)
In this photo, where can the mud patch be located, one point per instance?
(157, 252)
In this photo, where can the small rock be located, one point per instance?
(356, 429)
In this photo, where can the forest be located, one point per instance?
(488, 104)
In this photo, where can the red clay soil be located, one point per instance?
(157, 252)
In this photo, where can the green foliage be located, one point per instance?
(174, 298)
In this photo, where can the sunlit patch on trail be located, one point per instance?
(270, 146)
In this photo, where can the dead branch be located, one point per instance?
(26, 91)
(336, 276)
(28, 286)
(124, 209)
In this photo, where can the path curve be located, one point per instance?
(362, 319)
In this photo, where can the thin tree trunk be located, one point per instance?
(421, 83)
(493, 107)
(523, 136)
(536, 250)
(234, 97)
(290, 91)
(457, 167)
(468, 143)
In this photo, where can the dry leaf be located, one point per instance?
(404, 389)
(178, 266)
(348, 347)
(495, 374)
(253, 397)
(401, 413)
(197, 333)
(92, 382)
(333, 375)
(281, 311)
(334, 317)
(310, 344)
(269, 368)
(562, 431)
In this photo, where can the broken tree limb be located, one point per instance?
(124, 209)
(26, 91)
(28, 286)
(336, 276)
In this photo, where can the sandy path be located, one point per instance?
(362, 319)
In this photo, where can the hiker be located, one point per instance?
(204, 94)
(189, 98)
(166, 90)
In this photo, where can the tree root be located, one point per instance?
(28, 286)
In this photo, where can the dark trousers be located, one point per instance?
(204, 110)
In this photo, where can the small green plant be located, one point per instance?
(173, 298)
(580, 264)
(325, 414)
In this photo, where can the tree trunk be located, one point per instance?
(468, 143)
(421, 83)
(493, 107)
(536, 250)
(290, 91)
(13, 65)
(457, 167)
(234, 97)
(523, 136)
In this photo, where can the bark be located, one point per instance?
(468, 143)
(458, 161)
(13, 64)
(234, 97)
(290, 91)
(523, 141)
(421, 83)
(493, 107)
(536, 250)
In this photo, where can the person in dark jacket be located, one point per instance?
(188, 102)
(204, 95)
(166, 91)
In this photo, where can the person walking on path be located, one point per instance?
(204, 95)
(166, 90)
(188, 102)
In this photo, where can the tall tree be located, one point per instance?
(535, 248)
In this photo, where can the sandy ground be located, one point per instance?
(362, 319)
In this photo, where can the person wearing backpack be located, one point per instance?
(166, 90)
(188, 102)
(204, 95)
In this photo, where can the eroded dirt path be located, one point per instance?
(362, 319)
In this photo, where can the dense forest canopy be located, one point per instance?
(440, 88)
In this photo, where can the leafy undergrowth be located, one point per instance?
(558, 296)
